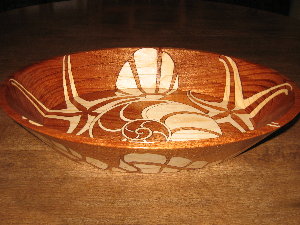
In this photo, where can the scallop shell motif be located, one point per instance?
(145, 79)
(150, 72)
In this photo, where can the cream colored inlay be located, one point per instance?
(145, 168)
(197, 164)
(126, 80)
(60, 146)
(240, 102)
(35, 123)
(273, 124)
(147, 69)
(75, 153)
(149, 76)
(125, 166)
(188, 135)
(192, 120)
(178, 161)
(167, 69)
(146, 157)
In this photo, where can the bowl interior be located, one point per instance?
(150, 95)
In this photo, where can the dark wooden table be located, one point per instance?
(39, 186)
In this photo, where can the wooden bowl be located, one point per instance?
(149, 110)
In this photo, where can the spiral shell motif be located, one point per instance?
(150, 72)
(145, 131)
(146, 83)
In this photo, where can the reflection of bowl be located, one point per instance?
(151, 109)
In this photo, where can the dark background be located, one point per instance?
(276, 6)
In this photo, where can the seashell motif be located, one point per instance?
(145, 79)
(148, 105)
(185, 122)
(150, 73)
(145, 131)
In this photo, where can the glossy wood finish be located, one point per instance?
(39, 185)
(150, 110)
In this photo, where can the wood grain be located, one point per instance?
(150, 121)
(39, 186)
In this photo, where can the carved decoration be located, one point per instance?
(154, 101)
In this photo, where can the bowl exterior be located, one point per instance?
(146, 160)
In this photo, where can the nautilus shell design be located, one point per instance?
(145, 105)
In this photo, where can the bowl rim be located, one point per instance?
(110, 143)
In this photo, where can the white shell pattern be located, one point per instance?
(149, 77)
